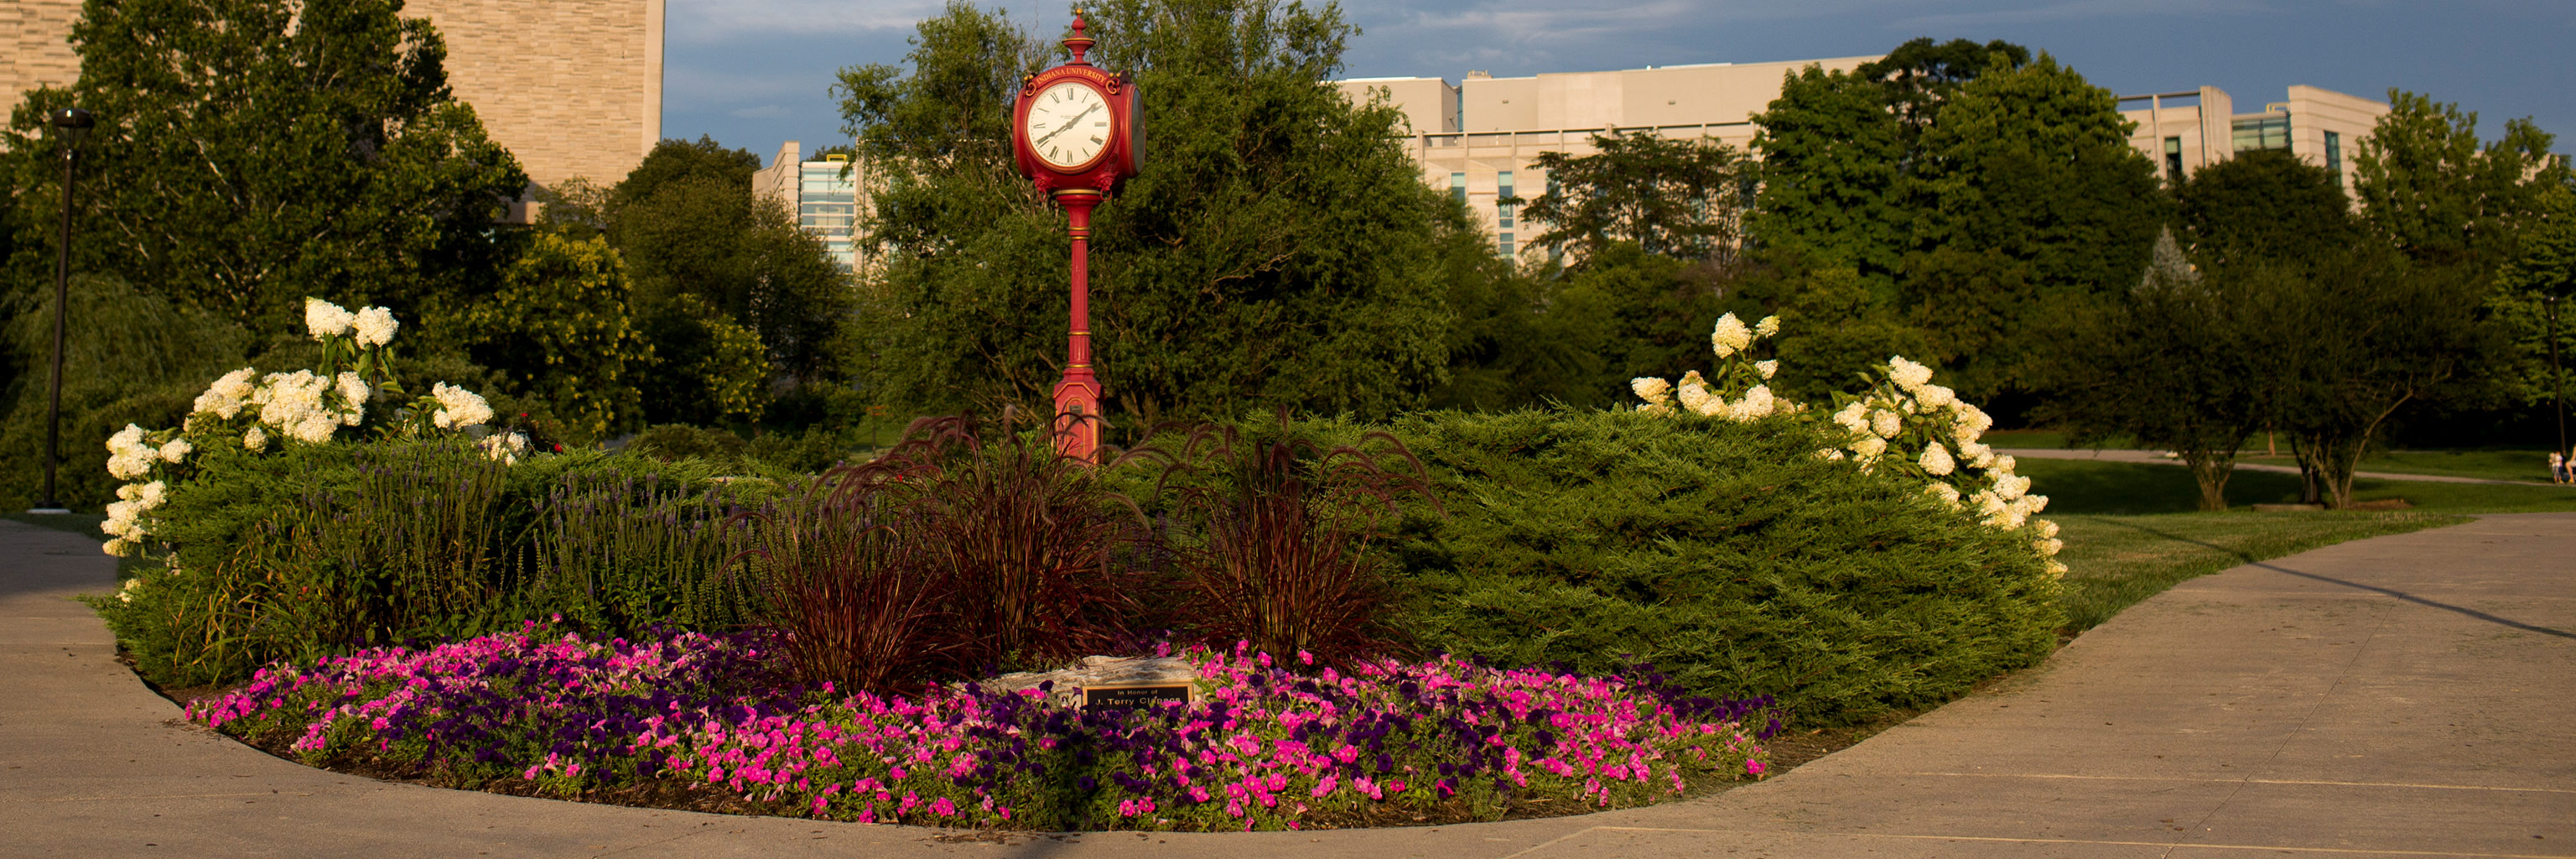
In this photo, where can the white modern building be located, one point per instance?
(823, 193)
(1478, 139)
(2185, 131)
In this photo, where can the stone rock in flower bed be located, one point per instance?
(705, 721)
(1097, 671)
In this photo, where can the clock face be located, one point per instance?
(1068, 125)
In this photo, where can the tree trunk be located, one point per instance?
(2211, 469)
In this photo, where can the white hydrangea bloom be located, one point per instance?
(289, 399)
(1936, 460)
(119, 547)
(1651, 389)
(1730, 336)
(2048, 548)
(151, 495)
(225, 397)
(2047, 528)
(255, 440)
(1869, 447)
(1973, 422)
(128, 456)
(1908, 375)
(2004, 463)
(1757, 404)
(177, 450)
(2056, 570)
(1830, 455)
(1947, 493)
(460, 408)
(1767, 368)
(1769, 326)
(353, 390)
(1978, 454)
(2009, 487)
(325, 319)
(2032, 504)
(1694, 393)
(505, 447)
(1656, 409)
(1935, 396)
(314, 427)
(375, 326)
(1854, 417)
(1886, 423)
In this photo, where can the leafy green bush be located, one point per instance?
(1727, 554)
(313, 549)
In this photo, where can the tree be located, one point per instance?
(2265, 206)
(2354, 340)
(2429, 187)
(2172, 363)
(251, 153)
(1679, 198)
(559, 333)
(726, 285)
(1278, 249)
(1842, 153)
(2542, 271)
(2035, 201)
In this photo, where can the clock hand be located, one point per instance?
(1068, 124)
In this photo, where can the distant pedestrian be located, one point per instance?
(2557, 467)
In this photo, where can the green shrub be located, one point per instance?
(615, 552)
(1726, 554)
(314, 549)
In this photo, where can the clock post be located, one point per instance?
(1077, 395)
(1078, 133)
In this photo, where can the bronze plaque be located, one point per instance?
(1135, 697)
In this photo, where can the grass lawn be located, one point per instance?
(2131, 532)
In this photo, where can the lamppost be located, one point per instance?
(70, 124)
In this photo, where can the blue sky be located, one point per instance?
(752, 73)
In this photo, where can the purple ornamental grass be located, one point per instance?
(1264, 747)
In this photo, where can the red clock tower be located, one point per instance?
(1078, 132)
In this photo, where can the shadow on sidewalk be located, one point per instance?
(2402, 595)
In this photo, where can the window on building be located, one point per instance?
(1458, 187)
(1503, 208)
(2266, 132)
(2334, 154)
(2173, 159)
(1504, 247)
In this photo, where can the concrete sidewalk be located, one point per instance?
(2402, 696)
(2157, 457)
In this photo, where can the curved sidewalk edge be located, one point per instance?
(2400, 696)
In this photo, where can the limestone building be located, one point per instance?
(572, 87)
(1478, 139)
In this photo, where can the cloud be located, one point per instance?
(2080, 10)
(709, 21)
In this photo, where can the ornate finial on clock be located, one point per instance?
(1080, 41)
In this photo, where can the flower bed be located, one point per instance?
(703, 721)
